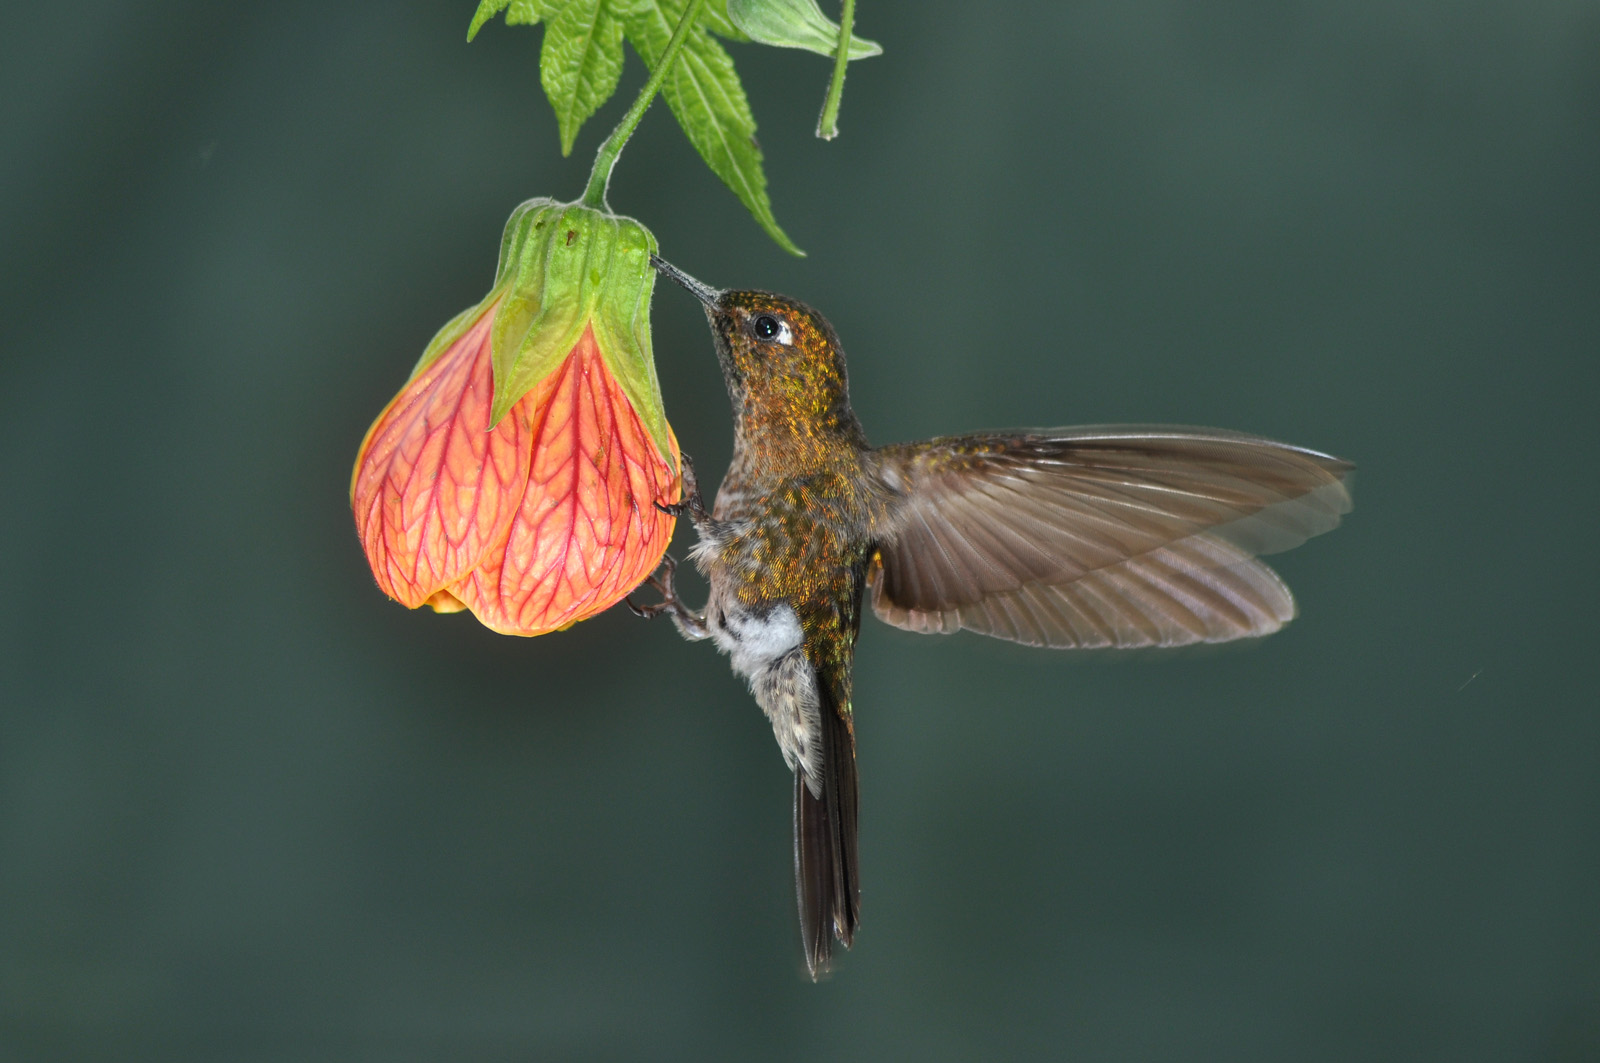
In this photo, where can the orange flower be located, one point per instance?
(516, 474)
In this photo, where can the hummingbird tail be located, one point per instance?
(825, 864)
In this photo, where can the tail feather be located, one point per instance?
(825, 862)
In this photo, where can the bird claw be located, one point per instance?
(693, 504)
(691, 625)
(662, 583)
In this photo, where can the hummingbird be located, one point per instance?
(1116, 536)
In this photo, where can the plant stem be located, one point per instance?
(828, 124)
(600, 176)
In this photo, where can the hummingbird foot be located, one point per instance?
(690, 625)
(693, 505)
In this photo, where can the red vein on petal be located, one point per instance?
(580, 539)
(435, 490)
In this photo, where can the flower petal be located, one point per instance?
(445, 602)
(434, 489)
(587, 531)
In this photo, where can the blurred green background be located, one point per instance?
(251, 810)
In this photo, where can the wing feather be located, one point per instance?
(1138, 536)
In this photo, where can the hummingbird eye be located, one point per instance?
(771, 329)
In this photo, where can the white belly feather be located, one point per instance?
(767, 650)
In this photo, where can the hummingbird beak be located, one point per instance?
(703, 292)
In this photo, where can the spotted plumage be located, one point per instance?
(1122, 536)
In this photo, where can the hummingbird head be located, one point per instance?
(780, 358)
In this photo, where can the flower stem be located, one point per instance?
(600, 176)
(828, 124)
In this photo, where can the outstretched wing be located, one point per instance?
(1115, 536)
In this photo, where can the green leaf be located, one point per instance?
(705, 95)
(714, 16)
(527, 12)
(487, 9)
(521, 13)
(795, 24)
(580, 63)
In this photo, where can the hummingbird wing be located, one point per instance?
(1107, 536)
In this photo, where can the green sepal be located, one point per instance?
(565, 267)
(795, 24)
(622, 329)
(515, 231)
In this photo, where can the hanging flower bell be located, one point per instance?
(517, 472)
